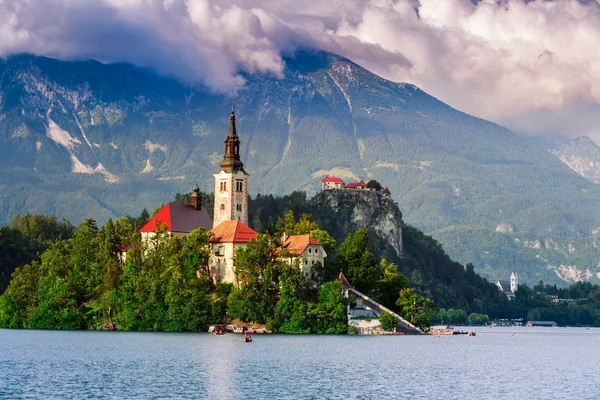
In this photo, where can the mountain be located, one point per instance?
(81, 139)
(582, 155)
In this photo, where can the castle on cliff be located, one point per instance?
(229, 226)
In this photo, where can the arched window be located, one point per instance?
(222, 207)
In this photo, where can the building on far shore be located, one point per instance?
(509, 287)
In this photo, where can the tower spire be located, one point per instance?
(195, 198)
(232, 130)
(231, 181)
(231, 160)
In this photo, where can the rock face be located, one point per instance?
(357, 209)
(582, 155)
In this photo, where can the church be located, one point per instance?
(229, 226)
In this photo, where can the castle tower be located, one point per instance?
(231, 182)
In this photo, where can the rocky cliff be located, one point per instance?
(344, 211)
(582, 155)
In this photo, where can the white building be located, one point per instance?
(307, 249)
(227, 237)
(331, 182)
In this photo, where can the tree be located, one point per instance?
(257, 270)
(415, 308)
(291, 311)
(373, 184)
(388, 321)
(20, 300)
(359, 264)
(389, 284)
(478, 319)
(329, 315)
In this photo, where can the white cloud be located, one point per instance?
(534, 66)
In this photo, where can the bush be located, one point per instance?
(388, 321)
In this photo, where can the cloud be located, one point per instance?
(534, 66)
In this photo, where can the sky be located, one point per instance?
(531, 66)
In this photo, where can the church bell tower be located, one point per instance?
(231, 182)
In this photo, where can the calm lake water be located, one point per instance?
(538, 363)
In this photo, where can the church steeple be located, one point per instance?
(231, 160)
(231, 182)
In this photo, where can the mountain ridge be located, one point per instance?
(326, 115)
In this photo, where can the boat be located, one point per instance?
(217, 329)
(247, 339)
(258, 331)
(472, 333)
(459, 332)
(440, 330)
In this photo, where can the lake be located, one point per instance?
(537, 363)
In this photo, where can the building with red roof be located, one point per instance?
(331, 182)
(178, 219)
(305, 248)
(226, 238)
(357, 185)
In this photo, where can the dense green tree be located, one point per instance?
(478, 319)
(386, 289)
(329, 315)
(373, 184)
(291, 311)
(415, 308)
(20, 300)
(257, 269)
(388, 321)
(359, 264)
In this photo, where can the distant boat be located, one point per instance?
(217, 329)
(247, 339)
(472, 333)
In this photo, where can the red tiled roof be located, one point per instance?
(332, 179)
(345, 283)
(297, 244)
(179, 218)
(232, 232)
(356, 185)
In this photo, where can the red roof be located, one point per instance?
(179, 218)
(332, 179)
(232, 232)
(297, 244)
(345, 283)
(353, 185)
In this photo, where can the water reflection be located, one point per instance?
(537, 363)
